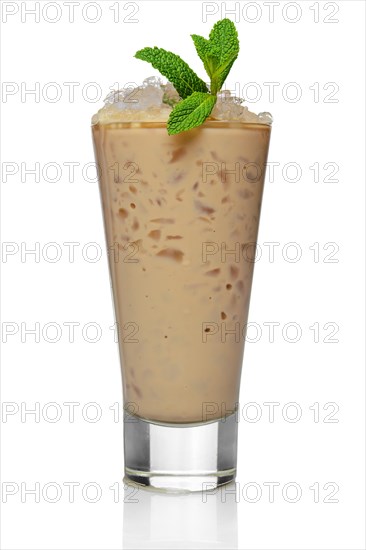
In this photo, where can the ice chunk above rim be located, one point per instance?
(229, 107)
(133, 103)
(153, 101)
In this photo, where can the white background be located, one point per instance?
(320, 127)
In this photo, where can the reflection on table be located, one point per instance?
(186, 521)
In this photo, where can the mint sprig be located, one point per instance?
(218, 54)
(190, 112)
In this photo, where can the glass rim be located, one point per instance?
(144, 125)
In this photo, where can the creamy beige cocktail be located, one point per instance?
(181, 217)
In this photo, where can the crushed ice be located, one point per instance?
(153, 100)
(140, 98)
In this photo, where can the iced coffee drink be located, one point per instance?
(181, 216)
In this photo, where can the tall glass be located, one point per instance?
(181, 217)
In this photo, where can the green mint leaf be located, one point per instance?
(202, 46)
(219, 52)
(203, 49)
(190, 112)
(184, 80)
(224, 43)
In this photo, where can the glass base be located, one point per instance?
(180, 457)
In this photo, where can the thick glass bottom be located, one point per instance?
(180, 457)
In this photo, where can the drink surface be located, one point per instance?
(181, 218)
